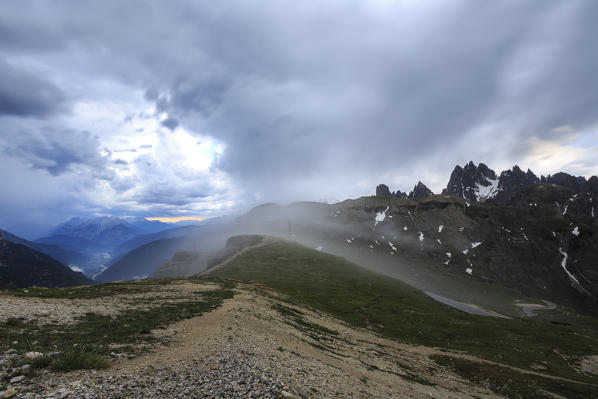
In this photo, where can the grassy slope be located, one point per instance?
(390, 307)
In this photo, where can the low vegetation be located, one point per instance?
(94, 337)
(393, 309)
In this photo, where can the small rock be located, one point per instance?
(17, 379)
(287, 395)
(25, 369)
(8, 352)
(9, 393)
(33, 355)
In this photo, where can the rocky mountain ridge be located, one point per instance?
(480, 183)
(22, 266)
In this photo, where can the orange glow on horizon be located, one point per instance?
(177, 219)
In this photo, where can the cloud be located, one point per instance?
(25, 94)
(170, 123)
(270, 102)
(56, 151)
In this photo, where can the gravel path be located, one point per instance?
(247, 348)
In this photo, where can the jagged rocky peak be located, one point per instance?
(476, 183)
(512, 181)
(576, 183)
(420, 191)
(382, 189)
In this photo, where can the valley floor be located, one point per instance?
(256, 344)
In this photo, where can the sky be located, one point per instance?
(203, 108)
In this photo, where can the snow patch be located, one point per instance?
(565, 211)
(476, 244)
(405, 228)
(421, 236)
(564, 266)
(485, 192)
(438, 241)
(392, 246)
(380, 216)
(76, 268)
(440, 228)
(319, 248)
(465, 251)
(449, 254)
(575, 231)
(468, 270)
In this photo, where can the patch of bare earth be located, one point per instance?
(66, 311)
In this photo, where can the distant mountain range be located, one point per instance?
(480, 183)
(22, 266)
(100, 233)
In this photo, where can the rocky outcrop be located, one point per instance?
(382, 189)
(512, 181)
(476, 183)
(420, 191)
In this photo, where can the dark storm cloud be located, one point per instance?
(24, 94)
(307, 98)
(58, 151)
(170, 123)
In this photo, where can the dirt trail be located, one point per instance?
(313, 356)
(353, 364)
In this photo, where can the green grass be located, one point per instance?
(86, 343)
(513, 384)
(393, 309)
(94, 291)
(79, 358)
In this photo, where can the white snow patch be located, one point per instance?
(564, 266)
(380, 216)
(405, 228)
(465, 251)
(575, 231)
(371, 246)
(468, 270)
(349, 241)
(382, 236)
(421, 236)
(485, 192)
(392, 246)
(377, 243)
(592, 211)
(440, 228)
(461, 228)
(438, 240)
(467, 203)
(319, 248)
(447, 262)
(476, 244)
(76, 268)
(565, 211)
(449, 254)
